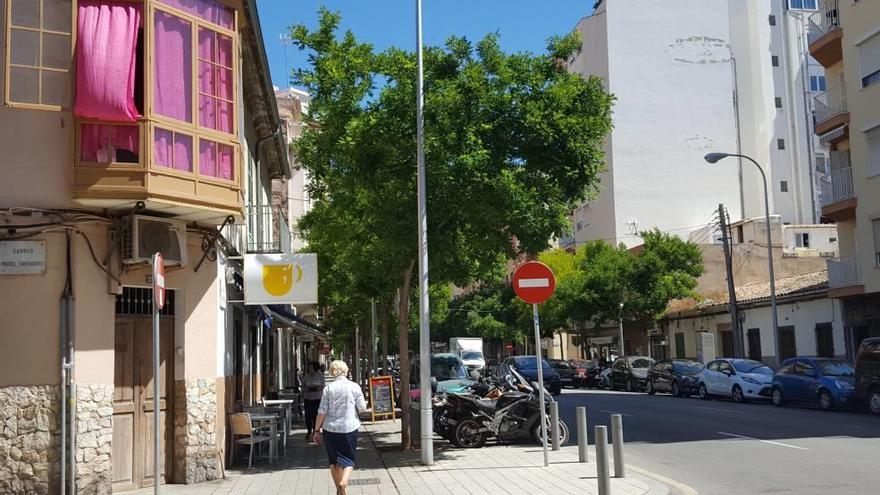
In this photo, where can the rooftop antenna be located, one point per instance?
(285, 40)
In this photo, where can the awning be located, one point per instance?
(291, 320)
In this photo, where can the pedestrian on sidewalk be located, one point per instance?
(314, 390)
(338, 416)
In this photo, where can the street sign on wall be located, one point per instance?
(22, 257)
(280, 279)
(534, 282)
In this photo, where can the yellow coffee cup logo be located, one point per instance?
(279, 279)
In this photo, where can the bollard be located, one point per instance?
(583, 452)
(602, 475)
(617, 440)
(554, 425)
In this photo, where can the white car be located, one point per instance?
(739, 379)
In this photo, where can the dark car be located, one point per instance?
(527, 367)
(676, 376)
(822, 381)
(630, 372)
(867, 379)
(567, 373)
(586, 372)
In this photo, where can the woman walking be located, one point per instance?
(338, 416)
(314, 388)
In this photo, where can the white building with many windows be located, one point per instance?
(693, 77)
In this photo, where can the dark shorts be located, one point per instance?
(341, 447)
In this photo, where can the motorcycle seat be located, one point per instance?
(485, 404)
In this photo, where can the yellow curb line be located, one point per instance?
(681, 487)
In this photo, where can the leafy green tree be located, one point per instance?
(513, 142)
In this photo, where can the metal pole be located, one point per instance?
(357, 353)
(373, 345)
(540, 366)
(554, 425)
(602, 474)
(617, 440)
(621, 351)
(156, 414)
(427, 440)
(583, 441)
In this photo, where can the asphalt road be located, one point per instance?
(720, 447)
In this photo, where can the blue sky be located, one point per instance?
(523, 24)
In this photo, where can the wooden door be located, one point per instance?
(787, 343)
(133, 401)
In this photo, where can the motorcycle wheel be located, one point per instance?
(563, 433)
(468, 436)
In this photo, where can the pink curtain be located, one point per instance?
(172, 150)
(109, 143)
(215, 81)
(105, 60)
(172, 85)
(216, 160)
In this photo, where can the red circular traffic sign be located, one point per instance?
(158, 281)
(534, 282)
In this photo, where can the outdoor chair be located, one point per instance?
(244, 433)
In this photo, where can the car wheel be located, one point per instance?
(676, 392)
(649, 387)
(629, 385)
(467, 435)
(704, 393)
(826, 400)
(737, 394)
(874, 401)
(777, 397)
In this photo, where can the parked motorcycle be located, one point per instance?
(515, 413)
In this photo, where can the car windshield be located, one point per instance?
(641, 363)
(560, 365)
(447, 368)
(688, 367)
(528, 363)
(582, 363)
(836, 368)
(471, 356)
(749, 366)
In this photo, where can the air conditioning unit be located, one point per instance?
(143, 236)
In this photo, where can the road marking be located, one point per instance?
(534, 282)
(719, 410)
(681, 487)
(764, 441)
(615, 412)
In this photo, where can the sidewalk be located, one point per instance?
(383, 469)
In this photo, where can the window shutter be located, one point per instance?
(873, 137)
(869, 55)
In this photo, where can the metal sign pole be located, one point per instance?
(540, 365)
(156, 413)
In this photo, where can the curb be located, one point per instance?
(676, 486)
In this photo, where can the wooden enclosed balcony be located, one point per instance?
(172, 170)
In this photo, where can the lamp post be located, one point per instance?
(713, 158)
(620, 351)
(427, 428)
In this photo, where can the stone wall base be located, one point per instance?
(195, 439)
(94, 436)
(29, 439)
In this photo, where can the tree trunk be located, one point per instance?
(383, 326)
(403, 331)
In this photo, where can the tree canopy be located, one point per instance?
(512, 143)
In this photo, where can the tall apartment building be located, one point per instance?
(693, 77)
(129, 127)
(845, 39)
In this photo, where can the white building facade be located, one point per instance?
(697, 77)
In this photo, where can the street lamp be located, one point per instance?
(620, 350)
(714, 158)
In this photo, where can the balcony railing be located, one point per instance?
(837, 186)
(830, 104)
(265, 230)
(844, 271)
(824, 21)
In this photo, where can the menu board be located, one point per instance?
(382, 396)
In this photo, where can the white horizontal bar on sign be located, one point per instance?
(525, 283)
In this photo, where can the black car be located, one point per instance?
(630, 372)
(867, 380)
(567, 373)
(527, 367)
(677, 376)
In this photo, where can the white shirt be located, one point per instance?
(341, 401)
(313, 379)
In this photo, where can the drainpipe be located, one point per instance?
(742, 201)
(68, 391)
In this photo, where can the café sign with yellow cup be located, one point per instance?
(281, 279)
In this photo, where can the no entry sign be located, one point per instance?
(534, 282)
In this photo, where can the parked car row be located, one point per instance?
(825, 382)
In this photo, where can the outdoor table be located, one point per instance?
(287, 404)
(272, 419)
